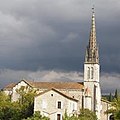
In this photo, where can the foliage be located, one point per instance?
(106, 97)
(66, 117)
(37, 116)
(17, 110)
(26, 101)
(84, 114)
(110, 97)
(115, 108)
(8, 110)
(116, 94)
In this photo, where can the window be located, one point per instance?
(88, 73)
(58, 116)
(92, 73)
(59, 104)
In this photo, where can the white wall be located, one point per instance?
(51, 99)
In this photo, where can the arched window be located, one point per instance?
(88, 73)
(92, 73)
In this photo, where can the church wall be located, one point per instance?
(91, 81)
(88, 102)
(88, 69)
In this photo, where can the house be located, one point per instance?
(53, 104)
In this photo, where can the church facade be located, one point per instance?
(54, 98)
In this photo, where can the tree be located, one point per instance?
(8, 110)
(20, 109)
(66, 117)
(26, 101)
(116, 94)
(110, 97)
(85, 114)
(115, 108)
(37, 116)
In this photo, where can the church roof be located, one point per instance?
(49, 85)
(58, 85)
(9, 86)
(53, 89)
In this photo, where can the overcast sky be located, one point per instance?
(40, 38)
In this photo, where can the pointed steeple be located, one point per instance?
(92, 55)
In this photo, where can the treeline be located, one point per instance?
(111, 96)
(114, 109)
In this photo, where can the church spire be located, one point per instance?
(92, 55)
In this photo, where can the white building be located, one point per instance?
(53, 103)
(54, 98)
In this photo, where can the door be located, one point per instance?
(58, 116)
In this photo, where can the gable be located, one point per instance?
(57, 93)
(20, 84)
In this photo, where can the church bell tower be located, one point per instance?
(91, 72)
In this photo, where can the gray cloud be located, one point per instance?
(110, 82)
(46, 75)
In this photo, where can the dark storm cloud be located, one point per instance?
(53, 35)
(41, 34)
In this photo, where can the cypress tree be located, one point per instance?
(110, 97)
(116, 94)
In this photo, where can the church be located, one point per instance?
(54, 98)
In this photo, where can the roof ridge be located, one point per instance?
(48, 85)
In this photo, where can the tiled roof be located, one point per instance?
(58, 93)
(57, 85)
(10, 86)
(49, 85)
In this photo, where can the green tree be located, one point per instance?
(20, 109)
(115, 108)
(84, 114)
(26, 101)
(110, 97)
(37, 116)
(116, 94)
(8, 110)
(66, 117)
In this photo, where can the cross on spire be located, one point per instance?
(93, 8)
